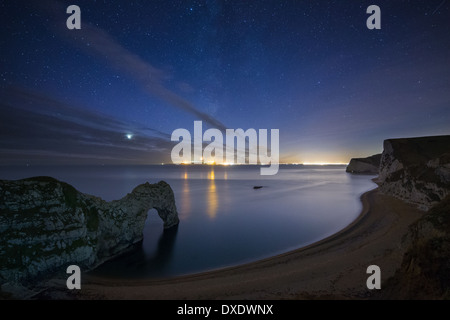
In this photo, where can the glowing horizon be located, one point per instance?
(225, 164)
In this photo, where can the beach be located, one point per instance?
(333, 268)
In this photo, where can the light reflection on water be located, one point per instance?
(224, 221)
(213, 199)
(185, 200)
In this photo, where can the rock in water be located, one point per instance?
(47, 225)
(369, 165)
(416, 170)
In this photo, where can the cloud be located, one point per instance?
(104, 46)
(35, 126)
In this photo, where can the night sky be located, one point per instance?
(114, 91)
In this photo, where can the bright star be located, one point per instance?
(129, 136)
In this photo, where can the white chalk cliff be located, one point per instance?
(416, 170)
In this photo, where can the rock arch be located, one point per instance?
(46, 225)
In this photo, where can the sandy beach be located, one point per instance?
(333, 268)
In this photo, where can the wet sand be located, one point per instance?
(333, 268)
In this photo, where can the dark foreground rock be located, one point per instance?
(47, 225)
(425, 269)
(369, 165)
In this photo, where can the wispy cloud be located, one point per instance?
(95, 41)
(33, 125)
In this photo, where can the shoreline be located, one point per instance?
(332, 268)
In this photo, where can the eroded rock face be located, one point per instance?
(416, 170)
(47, 225)
(425, 269)
(369, 165)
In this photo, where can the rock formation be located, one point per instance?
(47, 225)
(369, 165)
(416, 170)
(425, 269)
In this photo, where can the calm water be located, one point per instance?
(223, 220)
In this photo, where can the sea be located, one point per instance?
(224, 220)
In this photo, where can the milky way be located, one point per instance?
(115, 90)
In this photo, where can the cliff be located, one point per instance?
(416, 170)
(425, 269)
(369, 165)
(47, 225)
